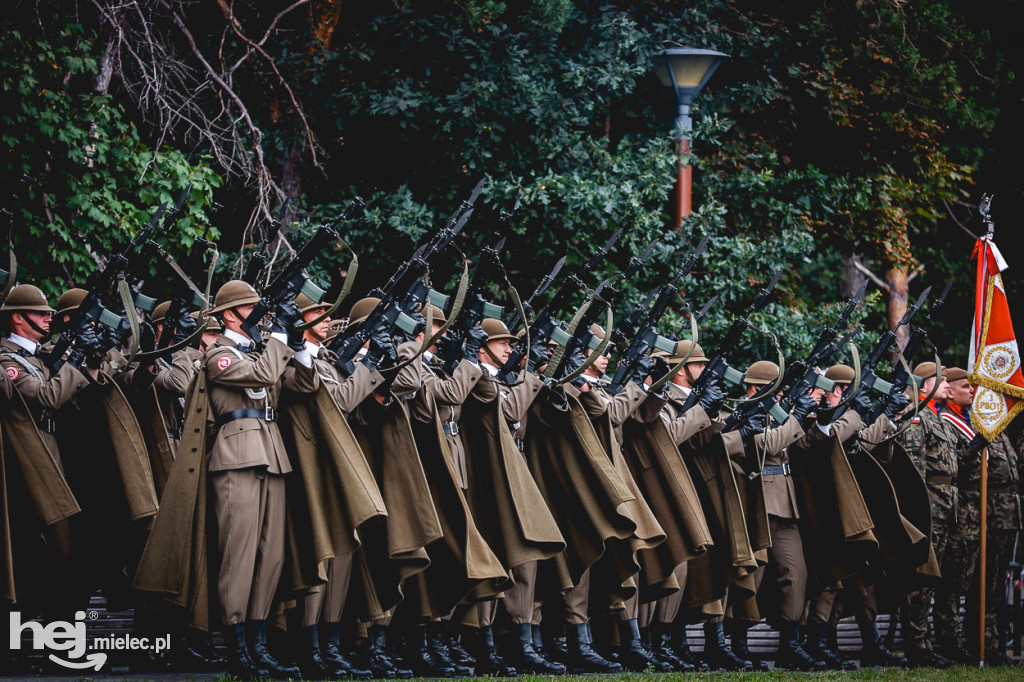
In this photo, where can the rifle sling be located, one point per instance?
(657, 385)
(346, 288)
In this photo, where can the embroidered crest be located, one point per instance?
(223, 362)
(12, 373)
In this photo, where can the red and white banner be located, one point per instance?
(994, 358)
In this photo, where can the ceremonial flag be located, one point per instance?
(994, 357)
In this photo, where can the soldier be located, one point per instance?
(959, 567)
(247, 465)
(932, 444)
(786, 554)
(173, 375)
(325, 606)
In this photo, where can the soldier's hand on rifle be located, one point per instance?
(803, 407)
(87, 346)
(644, 367)
(555, 394)
(476, 337)
(538, 355)
(753, 425)
(824, 412)
(712, 399)
(382, 345)
(895, 404)
(862, 405)
(286, 318)
(184, 328)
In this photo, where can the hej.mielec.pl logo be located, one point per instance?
(63, 636)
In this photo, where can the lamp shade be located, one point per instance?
(686, 69)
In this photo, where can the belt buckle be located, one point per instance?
(786, 470)
(753, 475)
(270, 414)
(453, 428)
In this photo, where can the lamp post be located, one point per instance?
(685, 70)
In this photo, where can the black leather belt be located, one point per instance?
(46, 423)
(451, 429)
(174, 434)
(776, 470)
(266, 414)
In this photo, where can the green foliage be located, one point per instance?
(79, 178)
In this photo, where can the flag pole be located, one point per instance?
(982, 556)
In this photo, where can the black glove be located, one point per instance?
(381, 352)
(286, 317)
(824, 412)
(803, 407)
(643, 370)
(476, 337)
(712, 398)
(895, 404)
(862, 405)
(87, 345)
(977, 444)
(753, 425)
(185, 327)
(538, 354)
(554, 394)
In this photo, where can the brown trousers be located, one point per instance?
(577, 601)
(667, 608)
(520, 598)
(250, 509)
(787, 558)
(326, 605)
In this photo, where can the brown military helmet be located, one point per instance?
(69, 301)
(361, 309)
(840, 374)
(496, 329)
(761, 373)
(682, 348)
(160, 312)
(437, 315)
(212, 323)
(26, 298)
(306, 304)
(234, 293)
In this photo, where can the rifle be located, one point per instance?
(403, 293)
(545, 324)
(136, 267)
(545, 282)
(800, 377)
(647, 338)
(258, 260)
(718, 368)
(184, 297)
(917, 338)
(293, 279)
(868, 378)
(91, 308)
(577, 341)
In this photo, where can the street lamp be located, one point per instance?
(685, 70)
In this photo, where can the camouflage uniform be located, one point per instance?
(963, 545)
(932, 444)
(1004, 520)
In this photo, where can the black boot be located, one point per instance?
(307, 655)
(261, 655)
(582, 657)
(420, 658)
(741, 648)
(240, 663)
(923, 657)
(661, 648)
(458, 652)
(681, 647)
(488, 660)
(791, 654)
(193, 650)
(378, 659)
(338, 665)
(952, 650)
(817, 645)
(873, 652)
(538, 645)
(632, 654)
(526, 658)
(718, 654)
(437, 642)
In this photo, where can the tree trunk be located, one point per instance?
(896, 278)
(852, 277)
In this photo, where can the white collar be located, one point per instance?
(241, 340)
(27, 344)
(491, 369)
(682, 389)
(428, 356)
(313, 348)
(589, 379)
